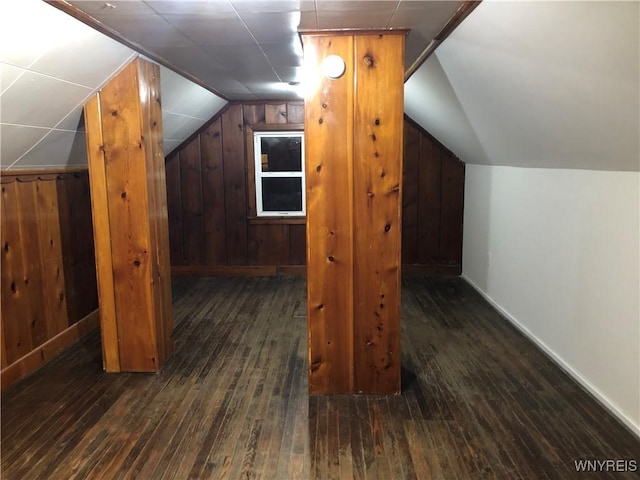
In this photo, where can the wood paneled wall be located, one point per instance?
(210, 232)
(128, 200)
(432, 205)
(209, 226)
(48, 285)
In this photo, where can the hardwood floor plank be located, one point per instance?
(478, 400)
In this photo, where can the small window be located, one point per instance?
(279, 173)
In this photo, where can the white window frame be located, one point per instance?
(259, 174)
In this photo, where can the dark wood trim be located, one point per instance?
(87, 19)
(238, 271)
(277, 220)
(45, 352)
(43, 171)
(456, 19)
(353, 31)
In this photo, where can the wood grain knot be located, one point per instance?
(377, 122)
(61, 296)
(123, 195)
(320, 307)
(114, 113)
(368, 61)
(373, 137)
(13, 287)
(387, 227)
(320, 121)
(6, 247)
(331, 258)
(137, 263)
(318, 168)
(324, 105)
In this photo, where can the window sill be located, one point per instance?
(277, 220)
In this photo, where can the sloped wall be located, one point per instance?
(48, 272)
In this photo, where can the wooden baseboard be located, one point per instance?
(45, 352)
(419, 270)
(239, 271)
(298, 270)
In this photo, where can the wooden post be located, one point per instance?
(128, 199)
(353, 137)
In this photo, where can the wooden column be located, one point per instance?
(128, 198)
(353, 137)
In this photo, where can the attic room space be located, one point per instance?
(222, 259)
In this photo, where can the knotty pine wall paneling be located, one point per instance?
(329, 165)
(432, 205)
(129, 206)
(212, 229)
(432, 200)
(353, 133)
(48, 287)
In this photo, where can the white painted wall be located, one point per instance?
(557, 251)
(552, 84)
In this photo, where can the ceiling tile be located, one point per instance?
(257, 6)
(224, 29)
(210, 107)
(113, 7)
(22, 139)
(328, 19)
(27, 101)
(308, 21)
(290, 74)
(147, 30)
(272, 27)
(68, 61)
(73, 121)
(8, 75)
(57, 149)
(183, 97)
(428, 20)
(358, 5)
(284, 54)
(175, 126)
(170, 145)
(199, 7)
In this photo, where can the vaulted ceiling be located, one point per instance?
(528, 84)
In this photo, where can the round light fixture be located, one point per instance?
(333, 66)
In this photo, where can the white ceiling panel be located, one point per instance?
(58, 148)
(262, 6)
(58, 63)
(149, 30)
(387, 6)
(224, 29)
(209, 108)
(73, 121)
(175, 125)
(189, 7)
(261, 26)
(16, 140)
(170, 145)
(28, 100)
(513, 85)
(114, 7)
(8, 75)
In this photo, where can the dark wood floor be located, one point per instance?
(478, 400)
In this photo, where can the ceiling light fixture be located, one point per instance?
(333, 66)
